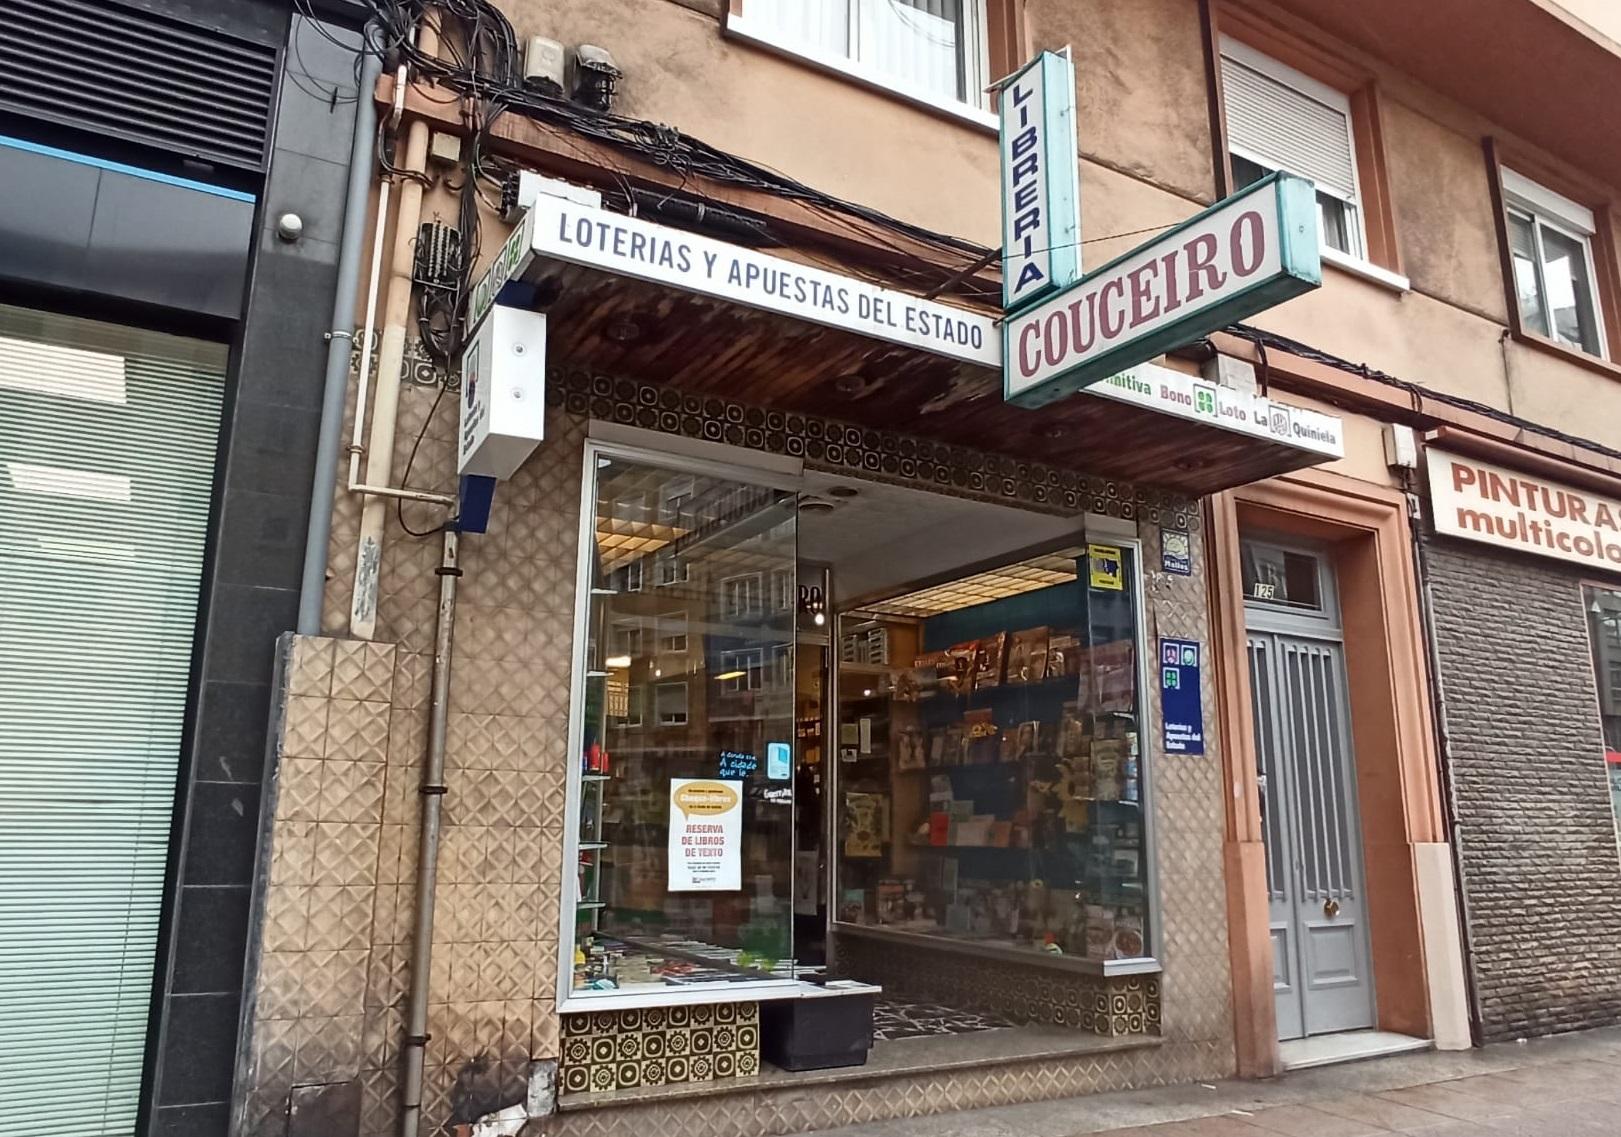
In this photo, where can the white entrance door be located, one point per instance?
(1322, 978)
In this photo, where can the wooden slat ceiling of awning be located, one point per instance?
(707, 346)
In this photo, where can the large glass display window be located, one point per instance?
(991, 762)
(684, 716)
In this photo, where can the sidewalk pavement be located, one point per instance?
(1569, 1086)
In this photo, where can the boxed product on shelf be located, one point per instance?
(1064, 655)
(1027, 655)
(989, 657)
(1099, 932)
(1108, 768)
(961, 656)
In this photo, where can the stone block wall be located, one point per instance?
(1541, 870)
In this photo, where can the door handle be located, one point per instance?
(1331, 908)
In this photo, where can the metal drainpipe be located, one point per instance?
(340, 340)
(1443, 747)
(390, 355)
(433, 792)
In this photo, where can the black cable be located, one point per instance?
(405, 477)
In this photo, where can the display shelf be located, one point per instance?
(596, 777)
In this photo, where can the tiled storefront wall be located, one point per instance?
(1049, 996)
(659, 1046)
(354, 814)
(1540, 870)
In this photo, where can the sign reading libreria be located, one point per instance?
(632, 247)
(1478, 501)
(1246, 253)
(1041, 225)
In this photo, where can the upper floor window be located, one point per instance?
(1282, 119)
(930, 49)
(1550, 247)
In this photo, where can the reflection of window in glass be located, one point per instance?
(1281, 119)
(782, 666)
(630, 577)
(628, 638)
(1604, 620)
(635, 707)
(672, 632)
(669, 569)
(1281, 576)
(675, 499)
(782, 589)
(933, 46)
(1550, 250)
(670, 703)
(632, 507)
(740, 670)
(740, 595)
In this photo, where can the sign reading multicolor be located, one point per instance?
(1478, 501)
(1246, 253)
(1041, 224)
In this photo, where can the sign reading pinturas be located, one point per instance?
(1478, 501)
(1041, 225)
(1244, 254)
(706, 835)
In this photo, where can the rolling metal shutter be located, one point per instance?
(99, 66)
(1288, 129)
(107, 456)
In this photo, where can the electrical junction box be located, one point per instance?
(503, 395)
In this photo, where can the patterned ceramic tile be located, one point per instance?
(656, 1046)
(310, 668)
(304, 726)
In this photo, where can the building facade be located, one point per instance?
(161, 355)
(1206, 722)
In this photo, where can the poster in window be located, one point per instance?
(1106, 568)
(706, 835)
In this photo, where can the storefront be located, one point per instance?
(1523, 560)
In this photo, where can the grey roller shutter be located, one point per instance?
(107, 456)
(1288, 129)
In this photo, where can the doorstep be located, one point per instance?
(900, 1059)
(1347, 1046)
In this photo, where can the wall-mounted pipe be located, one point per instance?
(340, 341)
(390, 357)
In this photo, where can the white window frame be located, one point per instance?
(976, 73)
(673, 504)
(685, 715)
(729, 609)
(666, 638)
(750, 661)
(781, 673)
(669, 569)
(628, 637)
(783, 592)
(1317, 91)
(1569, 218)
(635, 707)
(635, 575)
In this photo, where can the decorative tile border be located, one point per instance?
(657, 1046)
(881, 455)
(1109, 1006)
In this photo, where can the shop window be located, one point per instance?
(669, 569)
(1279, 118)
(933, 50)
(1550, 250)
(683, 837)
(1604, 617)
(991, 773)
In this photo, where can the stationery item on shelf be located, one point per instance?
(1130, 779)
(853, 905)
(866, 820)
(864, 733)
(981, 730)
(989, 657)
(1071, 731)
(940, 828)
(909, 749)
(905, 688)
(937, 748)
(1027, 655)
(940, 792)
(1099, 932)
(1108, 762)
(1128, 935)
(955, 750)
(1113, 679)
(962, 657)
(890, 907)
(1001, 835)
(1064, 655)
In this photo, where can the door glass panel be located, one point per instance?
(1281, 577)
(686, 804)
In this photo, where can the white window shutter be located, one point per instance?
(1287, 128)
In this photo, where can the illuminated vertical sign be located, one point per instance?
(1041, 224)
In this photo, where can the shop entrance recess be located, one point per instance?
(1322, 977)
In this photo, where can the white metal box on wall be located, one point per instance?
(503, 395)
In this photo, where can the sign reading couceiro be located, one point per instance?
(1478, 501)
(1246, 253)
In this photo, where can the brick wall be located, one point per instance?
(1541, 871)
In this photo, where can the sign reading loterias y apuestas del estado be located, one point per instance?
(1244, 254)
